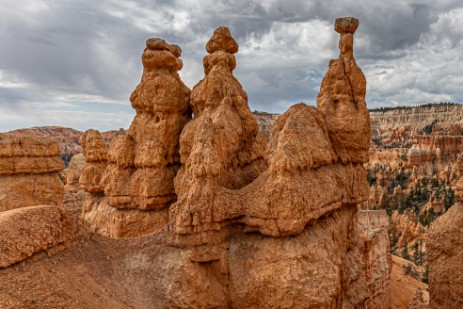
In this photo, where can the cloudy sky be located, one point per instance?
(74, 63)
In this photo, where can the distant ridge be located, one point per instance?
(426, 105)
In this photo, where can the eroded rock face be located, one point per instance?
(253, 223)
(444, 255)
(29, 170)
(132, 182)
(31, 193)
(377, 260)
(342, 99)
(30, 230)
(95, 153)
(74, 195)
(304, 183)
(219, 150)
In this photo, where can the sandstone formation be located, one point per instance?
(377, 260)
(420, 301)
(230, 194)
(29, 169)
(132, 182)
(444, 255)
(419, 156)
(416, 118)
(445, 143)
(404, 288)
(408, 227)
(67, 138)
(265, 121)
(434, 131)
(309, 179)
(242, 222)
(30, 230)
(31, 193)
(342, 99)
(74, 195)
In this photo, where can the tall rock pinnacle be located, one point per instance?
(342, 98)
(133, 189)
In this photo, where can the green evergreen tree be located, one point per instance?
(425, 277)
(405, 254)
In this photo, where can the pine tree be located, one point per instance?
(405, 254)
(425, 277)
(416, 253)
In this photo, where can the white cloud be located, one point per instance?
(58, 60)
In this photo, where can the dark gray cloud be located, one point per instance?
(58, 58)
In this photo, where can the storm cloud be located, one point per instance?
(75, 63)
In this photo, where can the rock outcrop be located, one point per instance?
(132, 182)
(377, 260)
(250, 224)
(420, 301)
(419, 156)
(418, 117)
(265, 121)
(31, 194)
(408, 227)
(449, 143)
(27, 231)
(404, 287)
(29, 168)
(444, 255)
(310, 179)
(342, 100)
(74, 195)
(67, 138)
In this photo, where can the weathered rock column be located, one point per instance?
(132, 184)
(342, 99)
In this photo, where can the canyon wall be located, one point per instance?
(418, 117)
(444, 255)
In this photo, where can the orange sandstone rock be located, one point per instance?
(444, 255)
(95, 151)
(377, 260)
(74, 195)
(29, 172)
(136, 174)
(30, 230)
(29, 179)
(302, 192)
(253, 225)
(342, 99)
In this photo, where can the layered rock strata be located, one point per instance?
(444, 255)
(132, 182)
(418, 117)
(342, 100)
(74, 195)
(446, 143)
(309, 179)
(29, 170)
(31, 193)
(252, 224)
(377, 260)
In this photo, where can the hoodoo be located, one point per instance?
(243, 221)
(131, 184)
